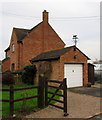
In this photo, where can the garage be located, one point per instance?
(68, 63)
(74, 75)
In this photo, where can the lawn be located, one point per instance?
(28, 105)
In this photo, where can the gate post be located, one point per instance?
(46, 92)
(41, 91)
(65, 96)
(11, 100)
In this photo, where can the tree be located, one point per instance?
(7, 78)
(28, 74)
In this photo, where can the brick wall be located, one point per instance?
(55, 71)
(41, 39)
(6, 64)
(14, 54)
(80, 58)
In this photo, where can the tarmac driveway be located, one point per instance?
(92, 91)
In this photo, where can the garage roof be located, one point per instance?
(52, 55)
(55, 54)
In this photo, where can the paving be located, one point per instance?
(79, 106)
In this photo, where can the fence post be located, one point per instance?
(11, 100)
(65, 97)
(46, 92)
(41, 91)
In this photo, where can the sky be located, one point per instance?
(67, 17)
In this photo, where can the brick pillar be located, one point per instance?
(85, 74)
(45, 16)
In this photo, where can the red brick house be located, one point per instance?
(42, 46)
(25, 44)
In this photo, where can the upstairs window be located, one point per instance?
(13, 47)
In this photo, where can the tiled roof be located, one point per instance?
(21, 33)
(51, 55)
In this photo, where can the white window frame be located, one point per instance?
(13, 47)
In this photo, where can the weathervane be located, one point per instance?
(75, 39)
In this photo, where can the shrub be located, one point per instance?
(28, 74)
(7, 78)
(7, 71)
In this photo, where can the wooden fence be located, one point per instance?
(43, 99)
(62, 86)
(11, 98)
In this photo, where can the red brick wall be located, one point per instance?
(55, 72)
(32, 45)
(42, 38)
(14, 55)
(69, 58)
(6, 65)
(51, 40)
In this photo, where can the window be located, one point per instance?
(75, 56)
(13, 47)
(13, 67)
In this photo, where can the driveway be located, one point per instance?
(92, 91)
(79, 106)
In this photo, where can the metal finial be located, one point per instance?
(75, 38)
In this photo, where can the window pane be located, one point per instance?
(13, 48)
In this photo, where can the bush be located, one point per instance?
(28, 74)
(7, 78)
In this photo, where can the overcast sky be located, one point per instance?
(67, 17)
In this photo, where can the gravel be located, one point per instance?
(79, 106)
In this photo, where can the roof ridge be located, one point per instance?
(58, 49)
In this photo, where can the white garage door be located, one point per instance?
(74, 75)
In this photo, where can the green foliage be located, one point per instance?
(7, 71)
(28, 74)
(7, 78)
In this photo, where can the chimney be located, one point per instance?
(45, 16)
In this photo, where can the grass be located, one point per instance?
(22, 105)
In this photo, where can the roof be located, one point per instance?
(35, 26)
(21, 33)
(5, 59)
(7, 49)
(51, 55)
